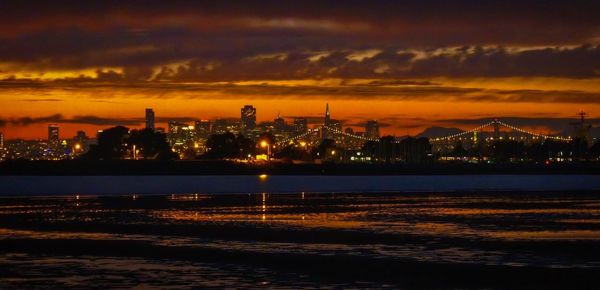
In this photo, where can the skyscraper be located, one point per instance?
(1, 140)
(327, 115)
(300, 125)
(372, 129)
(149, 119)
(202, 128)
(280, 124)
(248, 118)
(53, 136)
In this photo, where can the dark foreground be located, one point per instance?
(486, 240)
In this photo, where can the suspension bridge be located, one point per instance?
(496, 125)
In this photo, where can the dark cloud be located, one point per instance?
(218, 40)
(58, 118)
(207, 91)
(431, 21)
(392, 64)
(41, 100)
(88, 120)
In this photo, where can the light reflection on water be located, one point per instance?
(479, 229)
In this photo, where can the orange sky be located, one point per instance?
(397, 116)
(89, 65)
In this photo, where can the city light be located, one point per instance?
(190, 141)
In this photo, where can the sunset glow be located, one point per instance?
(189, 62)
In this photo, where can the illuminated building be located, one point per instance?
(1, 140)
(149, 119)
(81, 142)
(327, 115)
(280, 124)
(222, 126)
(202, 128)
(53, 136)
(300, 125)
(248, 118)
(372, 129)
(183, 140)
(331, 123)
(180, 133)
(282, 129)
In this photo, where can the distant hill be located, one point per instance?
(434, 132)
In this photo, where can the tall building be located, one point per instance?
(300, 125)
(81, 137)
(332, 124)
(1, 140)
(248, 118)
(149, 119)
(372, 129)
(81, 141)
(180, 133)
(53, 136)
(202, 128)
(280, 124)
(222, 126)
(327, 115)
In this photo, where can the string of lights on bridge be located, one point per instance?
(445, 138)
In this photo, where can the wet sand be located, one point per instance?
(408, 240)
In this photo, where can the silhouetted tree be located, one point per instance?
(371, 149)
(578, 148)
(117, 143)
(415, 151)
(536, 152)
(228, 145)
(459, 150)
(595, 150)
(505, 150)
(293, 152)
(387, 149)
(112, 144)
(151, 144)
(323, 151)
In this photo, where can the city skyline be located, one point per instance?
(69, 128)
(315, 144)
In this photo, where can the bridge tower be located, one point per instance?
(496, 129)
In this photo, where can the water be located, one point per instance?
(302, 240)
(44, 185)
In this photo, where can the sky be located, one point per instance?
(408, 64)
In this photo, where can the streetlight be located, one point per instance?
(303, 144)
(266, 144)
